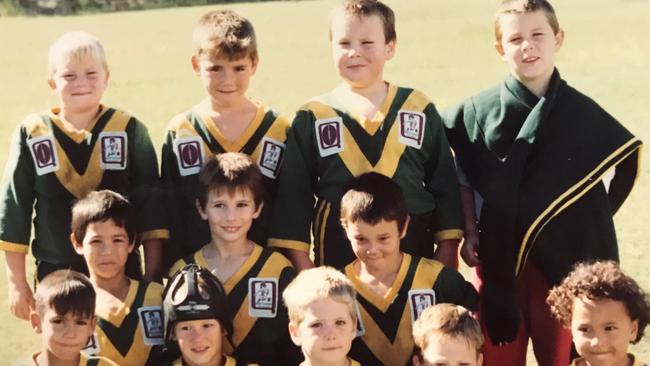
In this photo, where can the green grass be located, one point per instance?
(444, 48)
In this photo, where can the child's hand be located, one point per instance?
(21, 300)
(469, 250)
(447, 253)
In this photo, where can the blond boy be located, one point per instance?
(59, 155)
(322, 318)
(225, 59)
(447, 335)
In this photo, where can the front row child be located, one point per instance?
(605, 309)
(65, 318)
(393, 287)
(196, 319)
(230, 196)
(322, 319)
(128, 328)
(448, 335)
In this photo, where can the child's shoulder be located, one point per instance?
(151, 292)
(274, 257)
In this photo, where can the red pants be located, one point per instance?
(551, 341)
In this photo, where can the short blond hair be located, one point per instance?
(224, 33)
(447, 320)
(76, 45)
(315, 284)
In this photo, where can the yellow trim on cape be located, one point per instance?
(8, 246)
(288, 244)
(117, 317)
(613, 159)
(370, 126)
(447, 234)
(154, 234)
(75, 135)
(277, 131)
(382, 303)
(237, 144)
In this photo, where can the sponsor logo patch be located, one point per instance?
(411, 128)
(44, 154)
(189, 154)
(152, 325)
(113, 150)
(419, 300)
(271, 157)
(262, 297)
(329, 135)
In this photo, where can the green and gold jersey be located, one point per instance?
(192, 137)
(83, 361)
(634, 361)
(228, 361)
(50, 166)
(352, 363)
(385, 323)
(132, 334)
(328, 145)
(260, 331)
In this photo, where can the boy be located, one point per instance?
(64, 315)
(447, 335)
(322, 319)
(196, 318)
(365, 124)
(129, 329)
(230, 195)
(605, 309)
(393, 287)
(60, 155)
(536, 151)
(225, 59)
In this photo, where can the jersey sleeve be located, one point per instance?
(451, 287)
(18, 195)
(145, 189)
(297, 184)
(441, 180)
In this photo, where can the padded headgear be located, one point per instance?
(194, 293)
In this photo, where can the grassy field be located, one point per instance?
(444, 48)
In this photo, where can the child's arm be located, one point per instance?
(153, 260)
(21, 298)
(299, 259)
(469, 249)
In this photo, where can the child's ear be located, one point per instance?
(416, 360)
(51, 84)
(559, 39)
(200, 210)
(406, 227)
(35, 320)
(499, 47)
(391, 47)
(294, 332)
(634, 331)
(259, 210)
(195, 64)
(78, 247)
(479, 362)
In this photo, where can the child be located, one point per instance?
(322, 318)
(605, 309)
(225, 59)
(537, 152)
(196, 318)
(448, 335)
(365, 124)
(129, 329)
(65, 317)
(393, 287)
(60, 155)
(230, 191)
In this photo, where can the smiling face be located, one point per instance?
(105, 248)
(602, 331)
(79, 82)
(359, 49)
(448, 351)
(225, 81)
(376, 246)
(64, 336)
(528, 45)
(325, 333)
(229, 214)
(199, 341)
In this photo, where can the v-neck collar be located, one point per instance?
(371, 126)
(240, 142)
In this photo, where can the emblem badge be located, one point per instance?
(189, 154)
(43, 152)
(152, 325)
(262, 297)
(411, 128)
(419, 300)
(114, 150)
(329, 135)
(271, 157)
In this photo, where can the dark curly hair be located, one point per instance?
(596, 281)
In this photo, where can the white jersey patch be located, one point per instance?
(411, 128)
(329, 135)
(152, 325)
(43, 150)
(263, 297)
(271, 157)
(420, 300)
(189, 154)
(92, 348)
(113, 150)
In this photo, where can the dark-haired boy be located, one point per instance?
(393, 287)
(129, 325)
